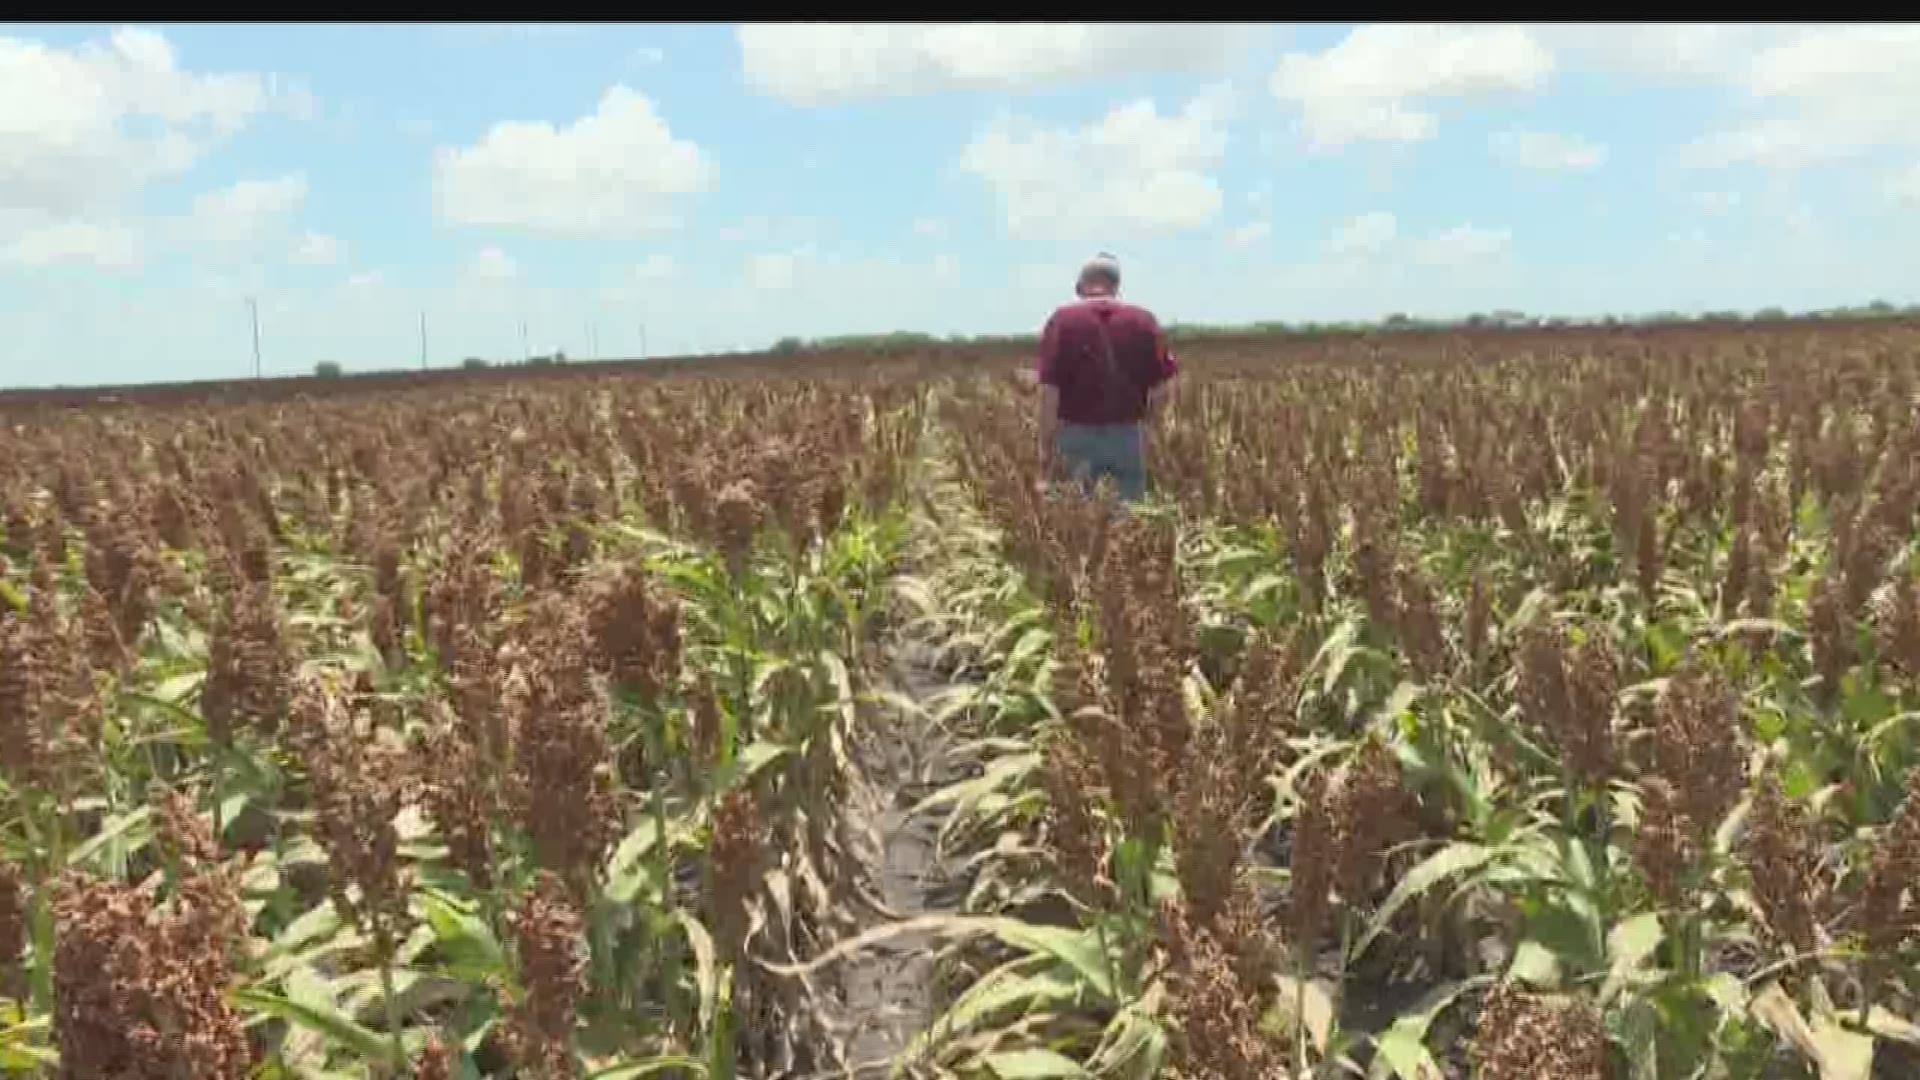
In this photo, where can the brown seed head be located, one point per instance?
(1889, 909)
(119, 567)
(1315, 860)
(1208, 823)
(1696, 747)
(635, 628)
(458, 785)
(436, 1062)
(51, 708)
(1783, 854)
(1214, 1011)
(737, 512)
(1075, 834)
(1524, 1036)
(1418, 622)
(1261, 712)
(563, 762)
(734, 862)
(140, 995)
(180, 835)
(249, 668)
(1664, 844)
(13, 929)
(1830, 632)
(1897, 625)
(359, 781)
(547, 936)
(1585, 732)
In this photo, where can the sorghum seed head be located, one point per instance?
(1522, 1036)
(547, 936)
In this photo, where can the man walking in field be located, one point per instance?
(1104, 366)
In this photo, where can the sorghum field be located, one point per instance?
(1506, 705)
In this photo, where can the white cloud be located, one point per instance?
(1905, 187)
(774, 271)
(654, 268)
(1133, 170)
(492, 264)
(646, 56)
(820, 63)
(1464, 246)
(1373, 84)
(84, 128)
(365, 279)
(317, 249)
(1371, 244)
(1663, 53)
(1826, 93)
(1839, 61)
(247, 210)
(1716, 202)
(1547, 151)
(1367, 234)
(929, 227)
(102, 245)
(617, 170)
(1253, 232)
(1043, 277)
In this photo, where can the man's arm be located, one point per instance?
(1048, 371)
(1168, 367)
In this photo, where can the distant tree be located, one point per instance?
(1770, 314)
(559, 356)
(1880, 309)
(539, 361)
(473, 363)
(327, 369)
(788, 345)
(1399, 320)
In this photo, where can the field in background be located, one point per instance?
(1496, 703)
(937, 356)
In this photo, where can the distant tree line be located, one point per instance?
(331, 369)
(1498, 319)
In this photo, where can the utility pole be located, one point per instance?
(423, 340)
(253, 307)
(526, 350)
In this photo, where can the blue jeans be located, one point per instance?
(1093, 452)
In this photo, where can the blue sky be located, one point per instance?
(723, 186)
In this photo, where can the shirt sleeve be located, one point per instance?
(1048, 367)
(1167, 365)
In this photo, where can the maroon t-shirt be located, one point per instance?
(1071, 360)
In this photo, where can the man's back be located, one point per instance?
(1075, 359)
